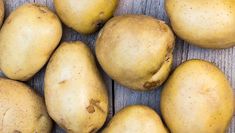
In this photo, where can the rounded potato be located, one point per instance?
(75, 94)
(27, 39)
(2, 11)
(85, 16)
(197, 98)
(204, 23)
(136, 119)
(136, 51)
(22, 110)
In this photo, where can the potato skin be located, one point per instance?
(21, 109)
(136, 51)
(75, 94)
(204, 23)
(2, 11)
(197, 98)
(136, 119)
(85, 16)
(27, 39)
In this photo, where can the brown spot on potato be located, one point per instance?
(16, 131)
(90, 109)
(41, 8)
(93, 130)
(163, 26)
(93, 104)
(63, 82)
(98, 24)
(149, 85)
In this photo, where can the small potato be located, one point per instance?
(76, 96)
(197, 98)
(2, 11)
(85, 16)
(28, 37)
(136, 51)
(204, 23)
(21, 109)
(136, 119)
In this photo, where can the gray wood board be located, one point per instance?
(119, 95)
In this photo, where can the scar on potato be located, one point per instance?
(149, 85)
(93, 104)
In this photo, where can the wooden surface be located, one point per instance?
(120, 96)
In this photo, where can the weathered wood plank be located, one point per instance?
(222, 58)
(68, 35)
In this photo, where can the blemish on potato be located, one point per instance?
(149, 85)
(63, 82)
(90, 109)
(93, 130)
(17, 131)
(98, 24)
(94, 103)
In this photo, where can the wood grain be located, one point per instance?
(119, 95)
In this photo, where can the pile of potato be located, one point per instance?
(134, 50)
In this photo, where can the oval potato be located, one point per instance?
(85, 16)
(136, 51)
(204, 23)
(27, 39)
(21, 109)
(197, 98)
(136, 119)
(75, 94)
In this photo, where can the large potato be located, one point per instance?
(2, 11)
(85, 16)
(75, 94)
(197, 98)
(136, 51)
(205, 23)
(27, 39)
(136, 119)
(21, 109)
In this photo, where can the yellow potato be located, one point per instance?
(136, 119)
(2, 11)
(85, 16)
(136, 51)
(197, 98)
(204, 23)
(75, 94)
(27, 39)
(21, 109)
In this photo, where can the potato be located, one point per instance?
(136, 51)
(204, 23)
(75, 94)
(197, 98)
(21, 109)
(27, 39)
(85, 16)
(136, 119)
(2, 11)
